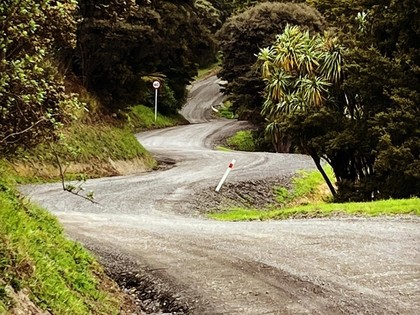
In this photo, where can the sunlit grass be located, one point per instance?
(141, 117)
(242, 141)
(375, 208)
(57, 274)
(308, 198)
(306, 185)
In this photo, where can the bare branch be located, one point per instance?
(69, 188)
(23, 131)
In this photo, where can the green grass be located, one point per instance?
(223, 148)
(92, 147)
(242, 141)
(306, 199)
(141, 117)
(57, 274)
(374, 208)
(305, 185)
(225, 110)
(208, 71)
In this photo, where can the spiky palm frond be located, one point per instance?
(332, 63)
(278, 85)
(265, 58)
(313, 90)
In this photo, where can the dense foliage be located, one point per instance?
(242, 36)
(369, 131)
(301, 73)
(122, 45)
(32, 97)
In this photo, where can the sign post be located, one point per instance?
(156, 86)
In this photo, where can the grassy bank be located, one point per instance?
(308, 197)
(93, 149)
(141, 117)
(40, 269)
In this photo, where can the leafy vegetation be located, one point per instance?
(242, 141)
(32, 97)
(122, 43)
(225, 110)
(301, 73)
(358, 110)
(84, 151)
(240, 39)
(36, 259)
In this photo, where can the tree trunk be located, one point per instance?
(317, 161)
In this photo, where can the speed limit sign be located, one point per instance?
(156, 84)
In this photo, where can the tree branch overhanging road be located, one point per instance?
(317, 266)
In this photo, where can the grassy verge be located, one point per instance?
(308, 197)
(40, 268)
(141, 117)
(375, 208)
(91, 150)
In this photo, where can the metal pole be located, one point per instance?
(156, 95)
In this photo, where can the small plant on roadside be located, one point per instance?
(242, 141)
(225, 110)
(306, 187)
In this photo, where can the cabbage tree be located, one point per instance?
(300, 72)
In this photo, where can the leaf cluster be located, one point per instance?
(32, 94)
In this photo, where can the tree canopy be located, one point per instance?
(119, 44)
(243, 35)
(369, 132)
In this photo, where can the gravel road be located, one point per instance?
(148, 232)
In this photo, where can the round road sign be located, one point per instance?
(156, 84)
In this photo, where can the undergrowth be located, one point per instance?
(242, 141)
(225, 110)
(307, 186)
(141, 117)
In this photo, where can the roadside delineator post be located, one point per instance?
(230, 167)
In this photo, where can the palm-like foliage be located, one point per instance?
(301, 64)
(299, 70)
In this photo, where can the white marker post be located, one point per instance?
(156, 86)
(230, 167)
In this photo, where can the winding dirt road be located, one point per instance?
(315, 266)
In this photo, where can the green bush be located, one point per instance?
(242, 141)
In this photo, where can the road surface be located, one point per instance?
(314, 266)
